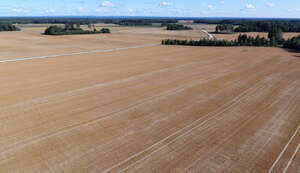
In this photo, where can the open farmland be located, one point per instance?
(151, 109)
(30, 42)
(33, 43)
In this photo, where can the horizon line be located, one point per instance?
(172, 17)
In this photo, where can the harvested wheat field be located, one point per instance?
(152, 109)
(31, 42)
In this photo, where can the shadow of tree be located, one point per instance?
(293, 50)
(297, 52)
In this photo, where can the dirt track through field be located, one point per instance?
(75, 53)
(152, 109)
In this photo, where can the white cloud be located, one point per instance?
(99, 10)
(129, 10)
(18, 10)
(210, 7)
(204, 12)
(269, 4)
(165, 3)
(50, 10)
(250, 6)
(80, 9)
(107, 4)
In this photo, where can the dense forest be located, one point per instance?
(247, 24)
(141, 22)
(225, 28)
(8, 27)
(70, 29)
(173, 26)
(124, 21)
(137, 20)
(266, 26)
(293, 43)
(52, 20)
(259, 26)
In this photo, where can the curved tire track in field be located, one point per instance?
(244, 95)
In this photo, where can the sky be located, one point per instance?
(163, 8)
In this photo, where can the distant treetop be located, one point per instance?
(71, 29)
(174, 26)
(8, 27)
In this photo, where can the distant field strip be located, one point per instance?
(76, 53)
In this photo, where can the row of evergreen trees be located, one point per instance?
(274, 39)
(8, 27)
(70, 29)
(243, 40)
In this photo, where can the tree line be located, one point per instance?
(71, 29)
(274, 39)
(174, 26)
(258, 27)
(293, 43)
(140, 22)
(124, 21)
(225, 28)
(266, 26)
(8, 27)
(243, 40)
(132, 21)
